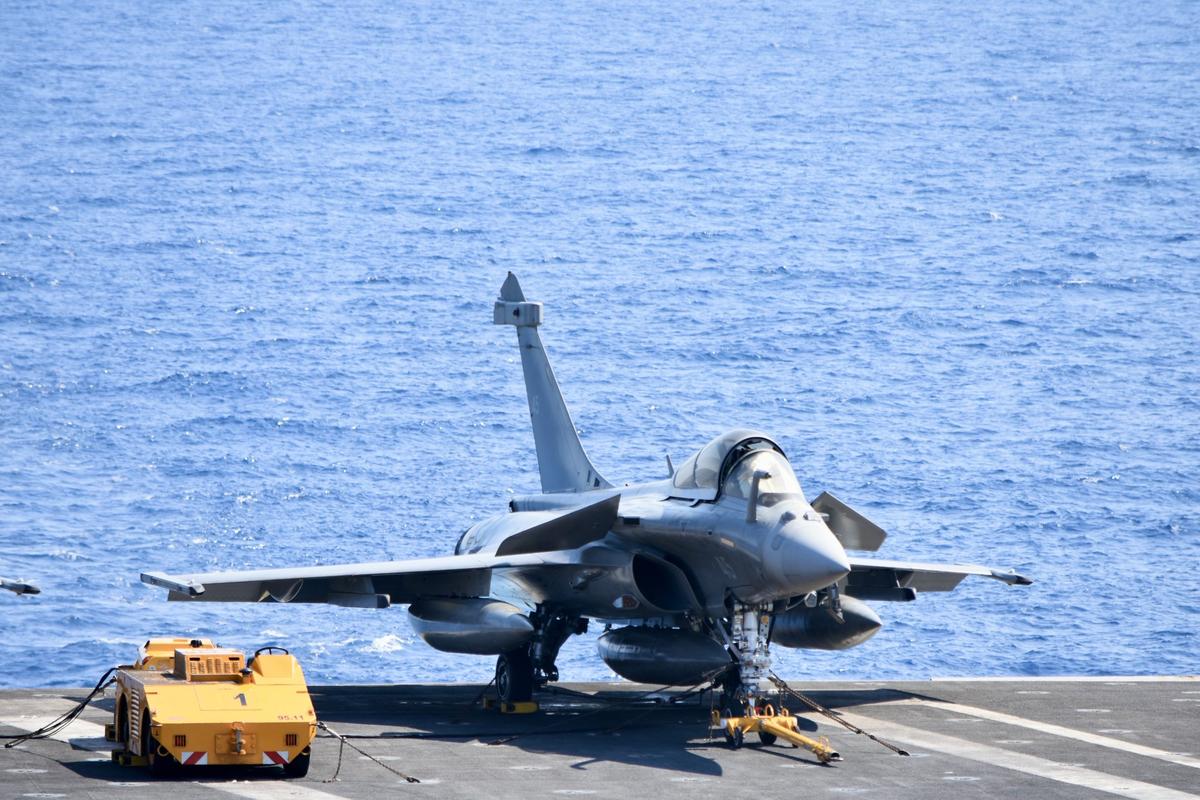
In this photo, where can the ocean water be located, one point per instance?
(948, 254)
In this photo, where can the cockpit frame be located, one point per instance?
(697, 479)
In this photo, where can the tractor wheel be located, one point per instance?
(123, 723)
(160, 764)
(298, 766)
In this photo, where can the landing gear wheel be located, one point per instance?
(766, 710)
(736, 738)
(298, 766)
(160, 762)
(514, 677)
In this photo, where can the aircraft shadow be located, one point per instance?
(622, 723)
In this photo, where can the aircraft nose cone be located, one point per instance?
(811, 558)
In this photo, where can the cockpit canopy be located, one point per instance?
(727, 464)
(779, 480)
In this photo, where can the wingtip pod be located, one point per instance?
(1012, 578)
(162, 581)
(19, 587)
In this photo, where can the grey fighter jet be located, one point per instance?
(694, 576)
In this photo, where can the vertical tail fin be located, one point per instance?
(562, 462)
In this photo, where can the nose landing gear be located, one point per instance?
(744, 709)
(748, 643)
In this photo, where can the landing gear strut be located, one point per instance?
(520, 671)
(742, 686)
(550, 630)
(744, 707)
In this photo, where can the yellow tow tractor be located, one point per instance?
(186, 702)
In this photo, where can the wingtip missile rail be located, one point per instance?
(19, 587)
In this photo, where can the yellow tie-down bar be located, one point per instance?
(771, 726)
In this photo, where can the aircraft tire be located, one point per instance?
(514, 676)
(734, 739)
(764, 709)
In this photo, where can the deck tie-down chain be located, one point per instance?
(782, 685)
(344, 744)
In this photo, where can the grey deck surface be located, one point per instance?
(1053, 739)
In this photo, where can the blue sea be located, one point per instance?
(947, 253)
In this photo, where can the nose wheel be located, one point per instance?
(514, 676)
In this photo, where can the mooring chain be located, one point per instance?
(341, 749)
(820, 709)
(346, 743)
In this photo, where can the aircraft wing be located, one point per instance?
(368, 585)
(876, 579)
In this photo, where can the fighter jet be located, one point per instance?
(695, 576)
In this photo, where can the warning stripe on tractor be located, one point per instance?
(196, 758)
(275, 757)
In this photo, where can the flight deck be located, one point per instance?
(1028, 738)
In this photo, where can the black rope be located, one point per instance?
(820, 709)
(479, 697)
(48, 730)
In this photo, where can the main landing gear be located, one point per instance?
(520, 671)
